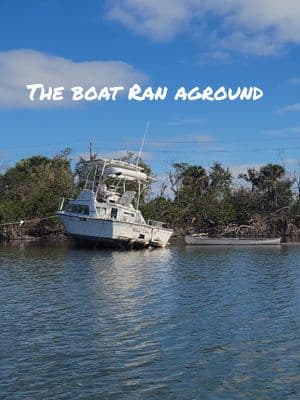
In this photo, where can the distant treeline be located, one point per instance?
(264, 201)
(31, 190)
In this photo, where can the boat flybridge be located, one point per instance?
(107, 209)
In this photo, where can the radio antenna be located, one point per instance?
(91, 151)
(143, 142)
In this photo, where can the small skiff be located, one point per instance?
(204, 240)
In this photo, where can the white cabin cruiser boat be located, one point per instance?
(106, 213)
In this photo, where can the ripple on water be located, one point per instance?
(177, 323)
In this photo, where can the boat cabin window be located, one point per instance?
(78, 209)
(114, 213)
(128, 214)
(101, 212)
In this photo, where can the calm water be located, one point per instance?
(177, 323)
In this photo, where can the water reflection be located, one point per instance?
(183, 322)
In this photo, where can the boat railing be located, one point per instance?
(113, 163)
(156, 224)
(63, 203)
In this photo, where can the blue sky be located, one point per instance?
(172, 43)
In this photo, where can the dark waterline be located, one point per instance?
(176, 323)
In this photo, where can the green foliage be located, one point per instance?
(270, 186)
(161, 209)
(33, 187)
(202, 199)
(207, 199)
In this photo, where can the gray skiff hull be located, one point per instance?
(205, 241)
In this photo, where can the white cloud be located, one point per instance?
(281, 132)
(290, 107)
(204, 138)
(218, 149)
(157, 19)
(185, 121)
(236, 170)
(292, 161)
(294, 81)
(156, 186)
(184, 139)
(256, 26)
(214, 57)
(21, 67)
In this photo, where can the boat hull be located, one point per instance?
(109, 233)
(204, 241)
(105, 243)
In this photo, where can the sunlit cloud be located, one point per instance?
(21, 67)
(258, 27)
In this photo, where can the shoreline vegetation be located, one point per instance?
(259, 203)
